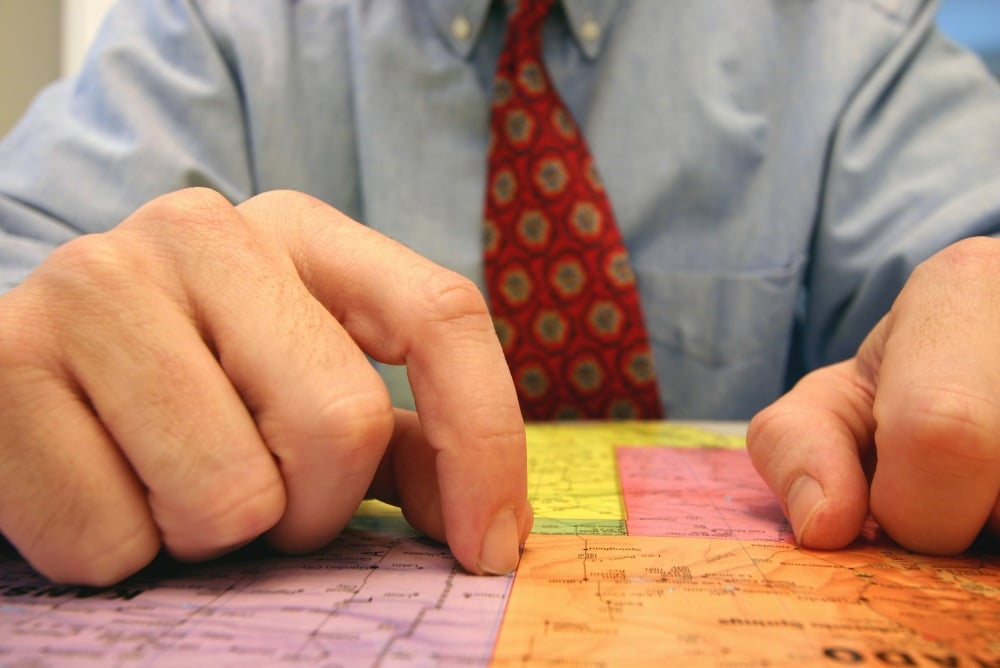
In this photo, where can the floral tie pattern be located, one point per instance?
(562, 290)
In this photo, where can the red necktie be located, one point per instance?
(561, 287)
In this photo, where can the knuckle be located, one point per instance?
(85, 287)
(356, 424)
(451, 298)
(91, 261)
(187, 224)
(24, 336)
(85, 280)
(189, 207)
(970, 258)
(948, 429)
(219, 514)
(284, 199)
(201, 238)
(973, 249)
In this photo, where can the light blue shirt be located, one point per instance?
(777, 168)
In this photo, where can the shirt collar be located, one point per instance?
(460, 22)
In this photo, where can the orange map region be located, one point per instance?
(647, 601)
(716, 579)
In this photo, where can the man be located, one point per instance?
(198, 374)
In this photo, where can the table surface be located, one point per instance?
(654, 543)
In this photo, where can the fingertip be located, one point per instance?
(501, 548)
(484, 504)
(527, 521)
(804, 500)
(818, 521)
(810, 447)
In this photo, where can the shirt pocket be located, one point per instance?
(721, 339)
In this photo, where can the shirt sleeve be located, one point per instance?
(913, 166)
(155, 108)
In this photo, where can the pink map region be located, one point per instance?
(713, 493)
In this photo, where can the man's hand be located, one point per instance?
(909, 428)
(197, 377)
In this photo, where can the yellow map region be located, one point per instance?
(646, 601)
(573, 474)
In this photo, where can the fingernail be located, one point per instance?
(805, 497)
(500, 551)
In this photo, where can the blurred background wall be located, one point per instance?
(41, 40)
(975, 23)
(30, 49)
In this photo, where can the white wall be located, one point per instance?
(40, 41)
(80, 20)
(29, 54)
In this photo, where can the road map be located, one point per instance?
(380, 595)
(655, 544)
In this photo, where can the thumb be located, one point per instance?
(812, 447)
(922, 393)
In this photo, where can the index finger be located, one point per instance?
(403, 309)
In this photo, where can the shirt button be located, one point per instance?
(460, 28)
(590, 30)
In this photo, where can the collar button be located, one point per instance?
(460, 28)
(590, 30)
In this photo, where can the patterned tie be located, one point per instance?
(561, 287)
